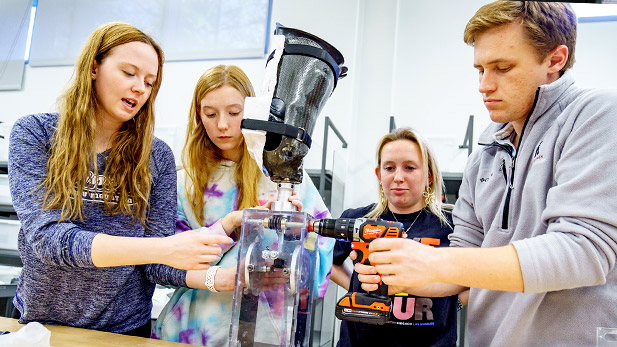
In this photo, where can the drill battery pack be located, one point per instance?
(364, 308)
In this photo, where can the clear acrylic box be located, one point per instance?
(274, 281)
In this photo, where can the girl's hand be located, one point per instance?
(369, 278)
(225, 279)
(190, 250)
(232, 221)
(294, 199)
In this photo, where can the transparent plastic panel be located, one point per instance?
(339, 175)
(606, 336)
(274, 281)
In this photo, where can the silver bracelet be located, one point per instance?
(210, 274)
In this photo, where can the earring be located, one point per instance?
(429, 196)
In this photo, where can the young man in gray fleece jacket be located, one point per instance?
(536, 220)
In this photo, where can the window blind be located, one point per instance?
(185, 29)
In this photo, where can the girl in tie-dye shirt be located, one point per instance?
(219, 180)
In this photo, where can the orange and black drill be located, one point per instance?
(372, 307)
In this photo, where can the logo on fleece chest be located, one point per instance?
(537, 154)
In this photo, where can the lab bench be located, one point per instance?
(70, 337)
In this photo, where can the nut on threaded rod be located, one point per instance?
(278, 223)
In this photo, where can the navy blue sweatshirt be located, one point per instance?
(58, 283)
(414, 321)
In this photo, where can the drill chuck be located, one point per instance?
(341, 228)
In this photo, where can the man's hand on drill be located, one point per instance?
(399, 263)
(369, 277)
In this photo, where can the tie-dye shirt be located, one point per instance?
(201, 317)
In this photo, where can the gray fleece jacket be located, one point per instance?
(555, 200)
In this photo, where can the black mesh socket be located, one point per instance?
(277, 114)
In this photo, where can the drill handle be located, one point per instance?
(381, 291)
(361, 249)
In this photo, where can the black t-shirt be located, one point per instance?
(414, 321)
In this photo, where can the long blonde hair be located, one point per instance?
(432, 175)
(200, 155)
(73, 151)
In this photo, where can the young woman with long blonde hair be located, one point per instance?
(95, 194)
(218, 181)
(410, 188)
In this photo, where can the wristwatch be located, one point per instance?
(210, 274)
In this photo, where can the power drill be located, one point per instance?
(372, 307)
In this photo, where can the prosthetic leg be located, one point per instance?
(277, 255)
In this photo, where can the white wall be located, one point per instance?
(405, 58)
(435, 83)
